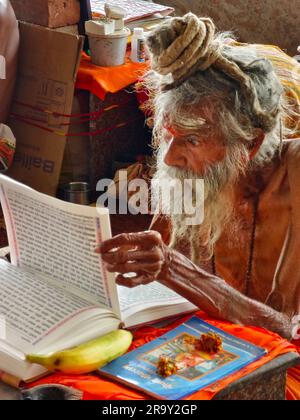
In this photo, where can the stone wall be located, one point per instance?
(274, 22)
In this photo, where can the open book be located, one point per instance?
(56, 293)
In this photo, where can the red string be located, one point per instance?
(83, 120)
(24, 120)
(93, 115)
(93, 133)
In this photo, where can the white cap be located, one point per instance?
(114, 12)
(138, 31)
(100, 27)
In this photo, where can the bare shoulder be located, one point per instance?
(292, 162)
(292, 151)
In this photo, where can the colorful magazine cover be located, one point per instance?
(197, 369)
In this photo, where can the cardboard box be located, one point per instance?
(50, 13)
(48, 64)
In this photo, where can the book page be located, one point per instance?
(150, 293)
(140, 297)
(31, 308)
(58, 239)
(151, 302)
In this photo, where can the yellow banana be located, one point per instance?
(88, 356)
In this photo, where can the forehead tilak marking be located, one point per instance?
(187, 122)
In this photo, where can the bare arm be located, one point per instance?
(218, 299)
(146, 255)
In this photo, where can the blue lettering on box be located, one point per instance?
(29, 161)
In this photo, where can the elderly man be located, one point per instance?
(220, 114)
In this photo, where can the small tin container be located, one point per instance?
(77, 193)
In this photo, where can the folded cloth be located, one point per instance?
(293, 384)
(97, 388)
(293, 379)
(102, 80)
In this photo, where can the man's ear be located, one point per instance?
(256, 142)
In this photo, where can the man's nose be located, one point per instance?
(175, 156)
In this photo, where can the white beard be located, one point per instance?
(219, 181)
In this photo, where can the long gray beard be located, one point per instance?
(219, 181)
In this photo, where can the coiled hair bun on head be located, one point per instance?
(183, 46)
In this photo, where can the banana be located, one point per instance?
(86, 357)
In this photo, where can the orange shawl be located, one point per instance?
(94, 387)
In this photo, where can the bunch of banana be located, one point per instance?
(88, 356)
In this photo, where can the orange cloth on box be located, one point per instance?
(102, 80)
(293, 380)
(292, 384)
(94, 387)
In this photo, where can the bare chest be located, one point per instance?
(239, 251)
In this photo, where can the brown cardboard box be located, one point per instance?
(48, 63)
(51, 13)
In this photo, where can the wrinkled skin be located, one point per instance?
(151, 259)
(145, 254)
(142, 253)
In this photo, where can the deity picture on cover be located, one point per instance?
(196, 369)
(192, 364)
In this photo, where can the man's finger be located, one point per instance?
(133, 267)
(121, 257)
(134, 281)
(146, 239)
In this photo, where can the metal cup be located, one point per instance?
(77, 192)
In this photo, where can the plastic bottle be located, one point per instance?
(138, 52)
(297, 57)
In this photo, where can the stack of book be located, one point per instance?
(140, 13)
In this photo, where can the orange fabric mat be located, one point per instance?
(103, 80)
(94, 387)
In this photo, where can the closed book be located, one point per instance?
(135, 9)
(196, 369)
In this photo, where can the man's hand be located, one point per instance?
(143, 253)
(146, 255)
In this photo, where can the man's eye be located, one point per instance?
(194, 141)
